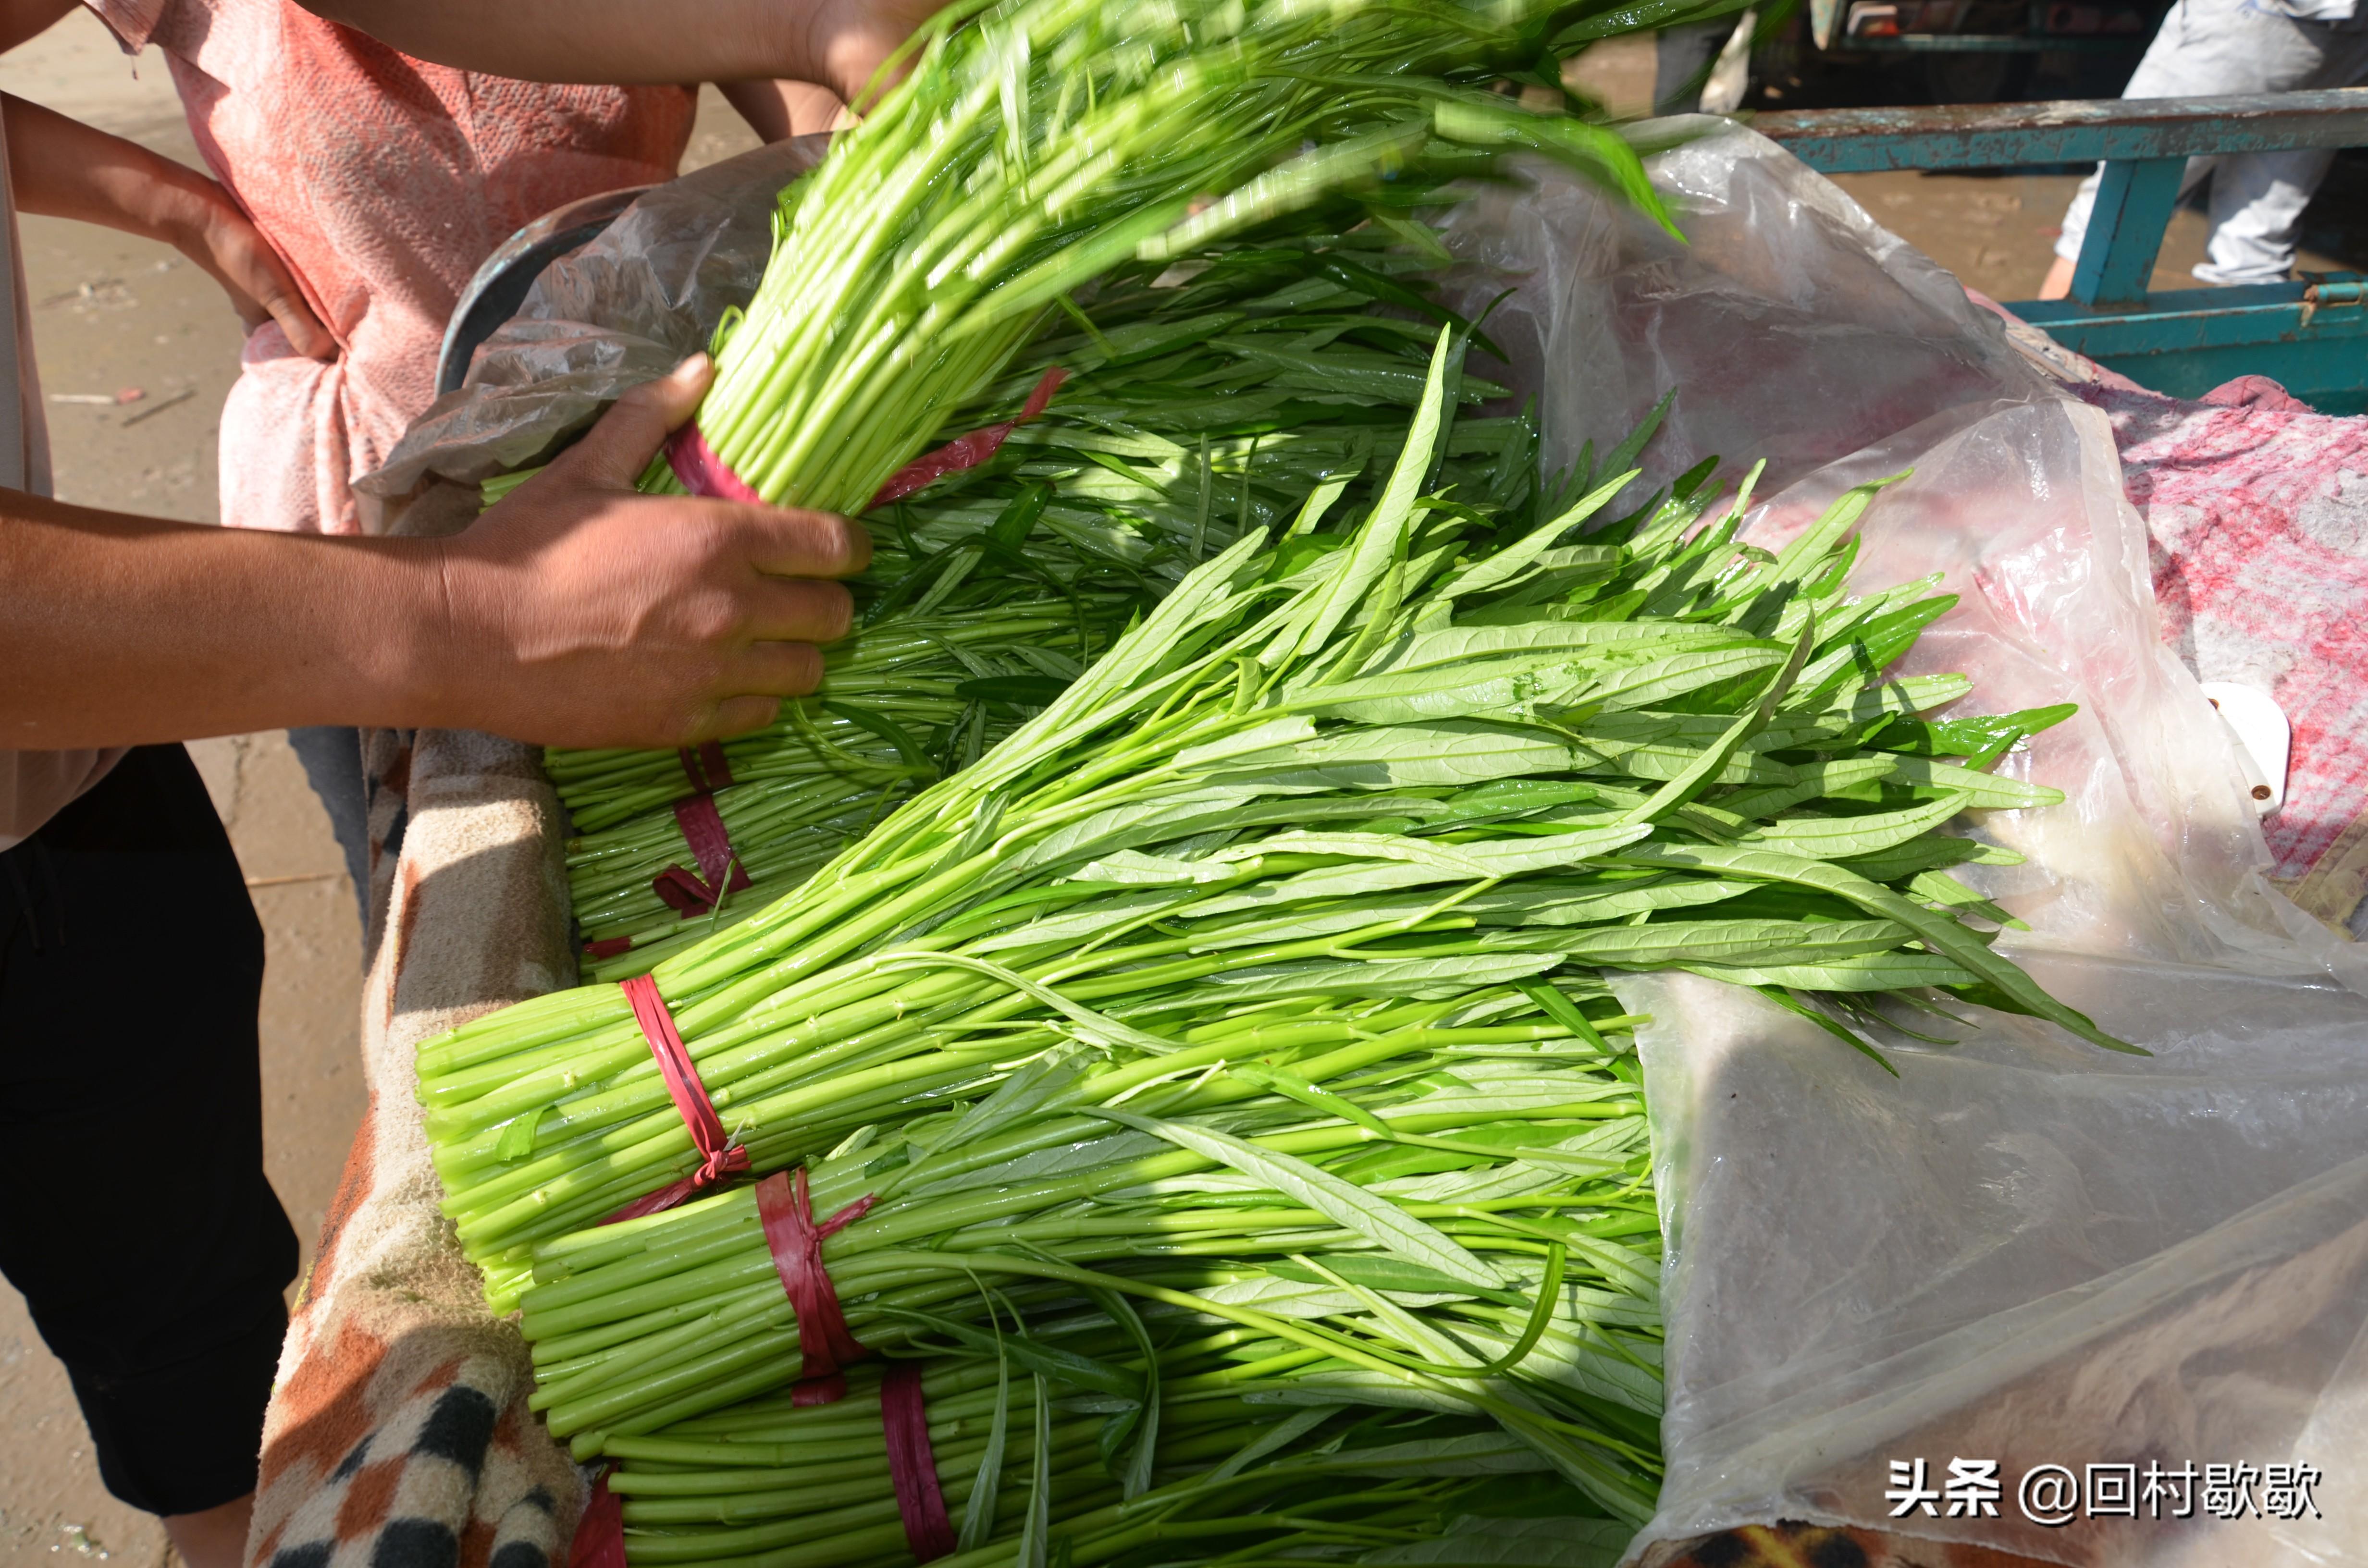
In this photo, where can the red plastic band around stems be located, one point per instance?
(911, 1466)
(706, 767)
(968, 451)
(719, 870)
(719, 1157)
(825, 1345)
(600, 1534)
(703, 472)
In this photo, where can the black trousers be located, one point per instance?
(134, 1214)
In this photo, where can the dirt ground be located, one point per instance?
(112, 316)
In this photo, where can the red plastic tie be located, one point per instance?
(706, 767)
(608, 948)
(823, 1343)
(818, 1391)
(702, 471)
(719, 1157)
(600, 1533)
(911, 1466)
(968, 451)
(719, 863)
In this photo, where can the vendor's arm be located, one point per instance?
(65, 169)
(576, 612)
(838, 43)
(23, 19)
(779, 111)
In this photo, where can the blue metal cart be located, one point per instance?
(2310, 336)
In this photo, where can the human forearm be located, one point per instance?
(62, 168)
(590, 40)
(576, 612)
(24, 20)
(777, 110)
(120, 631)
(836, 44)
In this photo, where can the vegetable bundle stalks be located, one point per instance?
(1405, 760)
(1227, 1447)
(1446, 1195)
(898, 706)
(1195, 409)
(1037, 144)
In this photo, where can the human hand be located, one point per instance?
(776, 110)
(221, 238)
(847, 41)
(581, 613)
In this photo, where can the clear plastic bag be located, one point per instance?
(2021, 1249)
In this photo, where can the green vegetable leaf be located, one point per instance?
(1381, 540)
(1937, 931)
(978, 1513)
(1837, 838)
(1027, 691)
(1352, 1207)
(1042, 1360)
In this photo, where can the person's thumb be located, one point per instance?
(613, 453)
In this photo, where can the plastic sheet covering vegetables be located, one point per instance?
(2017, 1249)
(1192, 408)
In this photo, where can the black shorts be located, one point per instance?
(134, 1214)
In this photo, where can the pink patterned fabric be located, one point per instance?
(385, 182)
(2258, 513)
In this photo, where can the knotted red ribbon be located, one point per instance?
(823, 1341)
(703, 472)
(719, 1157)
(719, 870)
(912, 1465)
(706, 767)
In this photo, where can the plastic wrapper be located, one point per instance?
(624, 308)
(2021, 1249)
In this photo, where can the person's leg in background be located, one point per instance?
(2257, 198)
(2210, 49)
(2256, 204)
(141, 1229)
(332, 756)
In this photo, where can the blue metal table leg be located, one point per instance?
(2133, 206)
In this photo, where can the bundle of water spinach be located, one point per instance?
(1032, 147)
(1198, 403)
(1094, 1429)
(1401, 757)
